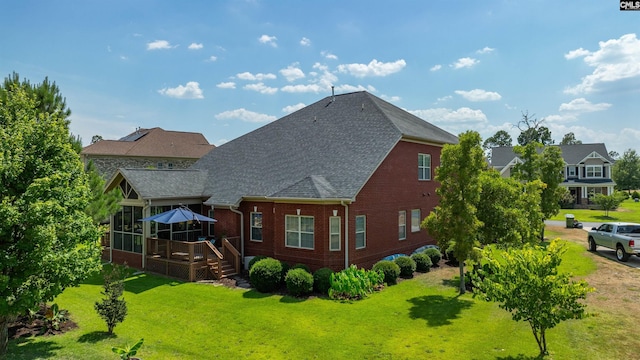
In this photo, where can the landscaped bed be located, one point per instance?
(423, 317)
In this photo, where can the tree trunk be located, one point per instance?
(462, 285)
(4, 334)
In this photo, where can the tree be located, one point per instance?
(626, 171)
(48, 241)
(531, 130)
(526, 282)
(569, 139)
(454, 222)
(609, 202)
(614, 155)
(500, 138)
(112, 309)
(507, 210)
(48, 98)
(103, 204)
(96, 138)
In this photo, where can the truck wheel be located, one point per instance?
(621, 255)
(592, 245)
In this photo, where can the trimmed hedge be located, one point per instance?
(255, 260)
(389, 269)
(434, 254)
(322, 280)
(299, 282)
(407, 266)
(423, 262)
(302, 266)
(266, 275)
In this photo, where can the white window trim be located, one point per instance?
(572, 171)
(402, 226)
(339, 233)
(421, 169)
(415, 228)
(594, 167)
(300, 232)
(364, 232)
(251, 227)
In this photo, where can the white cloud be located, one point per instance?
(226, 85)
(292, 108)
(465, 62)
(485, 50)
(320, 81)
(617, 59)
(268, 40)
(436, 67)
(353, 88)
(444, 98)
(245, 115)
(328, 55)
(479, 95)
(374, 68)
(257, 77)
(190, 91)
(576, 53)
(443, 115)
(303, 88)
(292, 73)
(582, 105)
(261, 88)
(159, 45)
(305, 42)
(390, 98)
(123, 58)
(212, 58)
(195, 46)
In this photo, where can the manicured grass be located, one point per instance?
(629, 211)
(419, 318)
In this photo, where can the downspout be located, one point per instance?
(346, 234)
(241, 231)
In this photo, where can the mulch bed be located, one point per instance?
(24, 326)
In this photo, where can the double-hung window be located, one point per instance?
(256, 226)
(415, 220)
(361, 231)
(424, 167)
(299, 231)
(334, 233)
(402, 225)
(594, 171)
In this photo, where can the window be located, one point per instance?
(361, 231)
(594, 171)
(334, 233)
(424, 167)
(256, 226)
(169, 165)
(211, 224)
(415, 220)
(402, 225)
(572, 171)
(127, 190)
(127, 229)
(160, 165)
(299, 231)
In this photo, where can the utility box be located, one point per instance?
(570, 219)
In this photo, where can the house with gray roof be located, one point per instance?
(346, 180)
(587, 169)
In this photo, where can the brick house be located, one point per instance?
(587, 169)
(147, 148)
(346, 180)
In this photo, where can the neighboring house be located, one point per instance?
(587, 169)
(147, 148)
(346, 180)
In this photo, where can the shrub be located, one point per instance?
(112, 309)
(389, 269)
(54, 317)
(302, 266)
(635, 195)
(435, 256)
(423, 262)
(322, 280)
(451, 258)
(299, 282)
(255, 260)
(266, 275)
(285, 269)
(354, 283)
(407, 266)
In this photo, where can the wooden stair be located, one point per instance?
(227, 268)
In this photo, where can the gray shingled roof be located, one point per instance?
(572, 154)
(166, 184)
(327, 150)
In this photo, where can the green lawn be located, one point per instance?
(629, 211)
(422, 318)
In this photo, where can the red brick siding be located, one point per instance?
(133, 260)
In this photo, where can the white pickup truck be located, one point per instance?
(624, 238)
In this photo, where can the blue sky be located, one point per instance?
(224, 68)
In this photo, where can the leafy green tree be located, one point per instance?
(113, 308)
(48, 98)
(507, 210)
(570, 139)
(102, 204)
(96, 138)
(47, 240)
(614, 154)
(626, 171)
(531, 130)
(500, 138)
(609, 202)
(454, 222)
(526, 283)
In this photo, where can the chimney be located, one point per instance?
(333, 94)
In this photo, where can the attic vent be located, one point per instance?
(333, 94)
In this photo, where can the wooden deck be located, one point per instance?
(192, 261)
